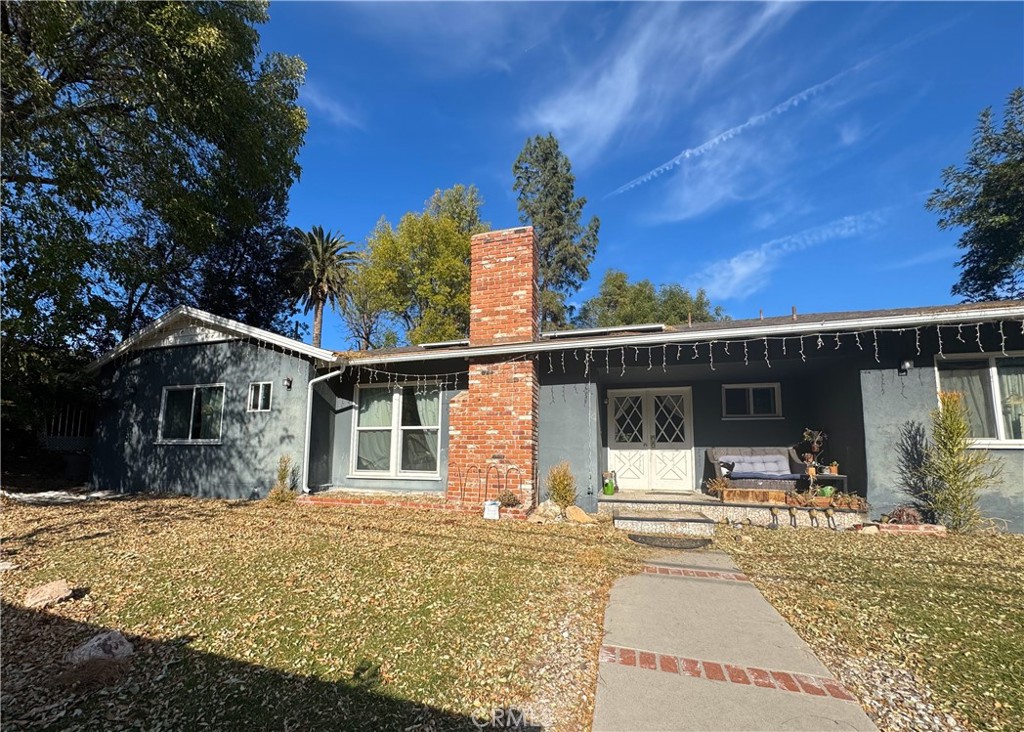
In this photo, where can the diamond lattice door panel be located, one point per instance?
(670, 419)
(628, 452)
(629, 419)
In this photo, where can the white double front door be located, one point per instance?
(650, 438)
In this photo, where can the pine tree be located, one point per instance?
(546, 189)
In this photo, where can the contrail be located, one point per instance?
(754, 121)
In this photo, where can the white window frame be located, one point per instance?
(749, 388)
(182, 387)
(396, 435)
(1000, 441)
(261, 384)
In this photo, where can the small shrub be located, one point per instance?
(562, 485)
(715, 486)
(958, 471)
(508, 499)
(284, 487)
(905, 514)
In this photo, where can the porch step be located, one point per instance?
(663, 521)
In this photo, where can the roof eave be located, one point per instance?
(908, 320)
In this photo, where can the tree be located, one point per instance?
(620, 302)
(419, 272)
(546, 189)
(364, 310)
(956, 471)
(985, 198)
(462, 205)
(323, 272)
(135, 138)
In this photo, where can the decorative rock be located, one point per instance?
(108, 646)
(6, 566)
(746, 539)
(548, 509)
(49, 594)
(869, 529)
(578, 516)
(535, 518)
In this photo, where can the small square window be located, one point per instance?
(259, 396)
(751, 401)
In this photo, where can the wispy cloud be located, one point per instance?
(317, 99)
(758, 119)
(750, 270)
(934, 255)
(662, 53)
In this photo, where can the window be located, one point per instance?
(259, 396)
(397, 431)
(192, 413)
(751, 401)
(993, 390)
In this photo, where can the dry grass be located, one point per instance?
(951, 610)
(257, 616)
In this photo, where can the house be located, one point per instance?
(204, 405)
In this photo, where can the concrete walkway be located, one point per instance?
(690, 644)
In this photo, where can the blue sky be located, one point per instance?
(776, 155)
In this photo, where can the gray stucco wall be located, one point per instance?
(891, 400)
(331, 444)
(569, 429)
(127, 457)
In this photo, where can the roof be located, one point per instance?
(184, 315)
(716, 330)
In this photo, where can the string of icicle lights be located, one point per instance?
(657, 355)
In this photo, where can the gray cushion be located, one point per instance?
(768, 464)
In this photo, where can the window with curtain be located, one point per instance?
(993, 390)
(397, 430)
(192, 413)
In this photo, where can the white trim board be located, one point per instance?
(199, 326)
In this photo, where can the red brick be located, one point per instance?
(648, 660)
(668, 664)
(810, 685)
(836, 690)
(736, 674)
(627, 657)
(690, 667)
(785, 681)
(761, 678)
(608, 654)
(713, 671)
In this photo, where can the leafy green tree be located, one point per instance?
(421, 272)
(546, 189)
(462, 205)
(985, 198)
(325, 265)
(134, 137)
(621, 302)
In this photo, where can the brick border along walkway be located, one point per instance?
(713, 671)
(702, 573)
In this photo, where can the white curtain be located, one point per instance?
(1011, 388)
(419, 446)
(972, 380)
(373, 449)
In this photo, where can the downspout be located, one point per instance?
(309, 424)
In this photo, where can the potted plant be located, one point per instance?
(833, 468)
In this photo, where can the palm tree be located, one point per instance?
(323, 273)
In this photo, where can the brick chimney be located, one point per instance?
(492, 427)
(504, 301)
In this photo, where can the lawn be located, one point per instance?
(950, 610)
(256, 616)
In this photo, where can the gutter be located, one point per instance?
(309, 424)
(884, 322)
